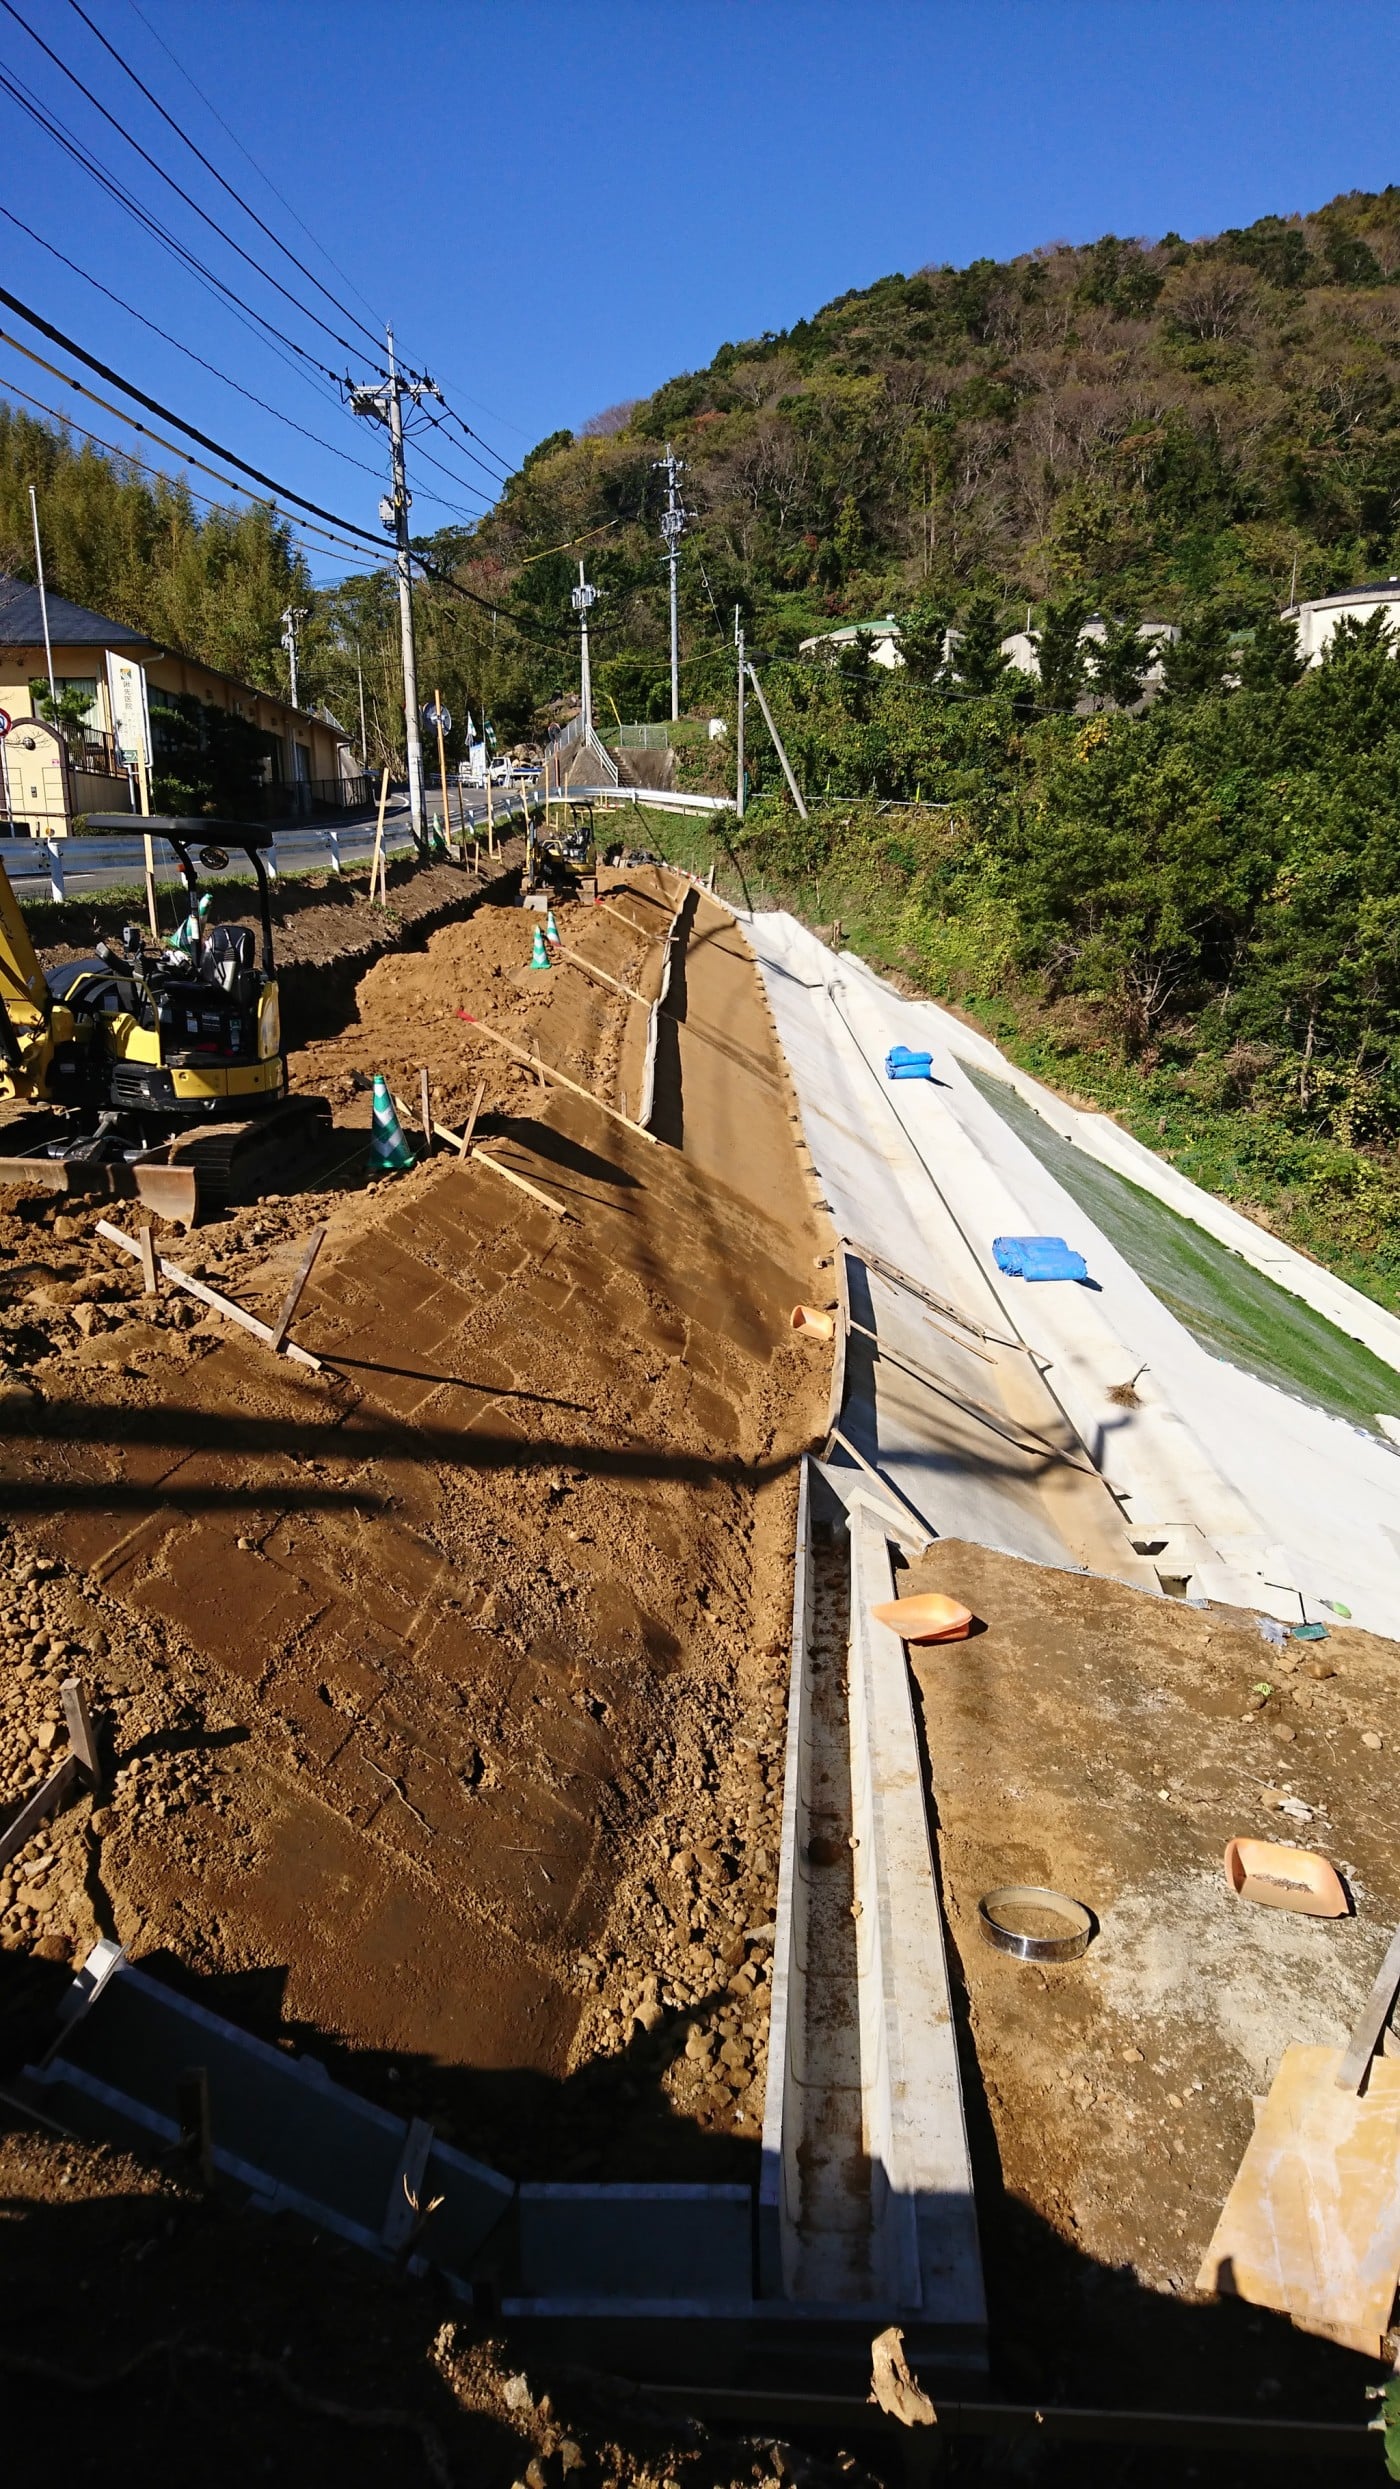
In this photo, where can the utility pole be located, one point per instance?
(777, 743)
(585, 597)
(293, 615)
(385, 405)
(739, 730)
(43, 592)
(673, 519)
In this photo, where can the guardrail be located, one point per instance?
(62, 868)
(659, 799)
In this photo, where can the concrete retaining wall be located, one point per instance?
(779, 2192)
(926, 2251)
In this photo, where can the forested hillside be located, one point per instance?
(1193, 914)
(1160, 426)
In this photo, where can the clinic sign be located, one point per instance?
(131, 716)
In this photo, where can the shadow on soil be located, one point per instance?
(226, 2288)
(364, 1437)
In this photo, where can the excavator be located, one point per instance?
(151, 1070)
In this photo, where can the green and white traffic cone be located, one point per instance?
(539, 956)
(551, 930)
(389, 1152)
(437, 844)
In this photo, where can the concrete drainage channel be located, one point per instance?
(864, 2213)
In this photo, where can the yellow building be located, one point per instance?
(138, 719)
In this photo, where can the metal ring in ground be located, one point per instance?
(1021, 1897)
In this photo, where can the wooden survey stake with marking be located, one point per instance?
(546, 1071)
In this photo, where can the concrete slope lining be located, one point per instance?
(945, 1399)
(1247, 1495)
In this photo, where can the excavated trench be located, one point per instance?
(327, 933)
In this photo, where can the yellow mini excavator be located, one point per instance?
(149, 1070)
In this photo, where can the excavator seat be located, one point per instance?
(229, 957)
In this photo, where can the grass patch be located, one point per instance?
(1233, 1311)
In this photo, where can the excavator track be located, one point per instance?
(224, 1166)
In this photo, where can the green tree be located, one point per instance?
(1060, 652)
(1120, 660)
(1197, 663)
(1269, 661)
(978, 661)
(923, 642)
(67, 709)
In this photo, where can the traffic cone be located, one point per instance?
(389, 1152)
(437, 844)
(539, 956)
(551, 930)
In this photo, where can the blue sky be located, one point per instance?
(562, 204)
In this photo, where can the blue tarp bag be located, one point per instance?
(905, 1063)
(1038, 1257)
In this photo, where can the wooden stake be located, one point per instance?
(643, 931)
(150, 1282)
(490, 816)
(466, 1140)
(294, 1294)
(47, 1796)
(376, 862)
(532, 1063)
(144, 787)
(80, 1736)
(589, 970)
(442, 774)
(210, 1296)
(425, 1100)
(1351, 2073)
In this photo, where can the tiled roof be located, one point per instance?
(70, 625)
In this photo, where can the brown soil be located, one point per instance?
(445, 1691)
(480, 1637)
(1108, 1744)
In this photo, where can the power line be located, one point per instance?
(212, 169)
(465, 428)
(262, 173)
(297, 529)
(467, 482)
(281, 492)
(300, 221)
(67, 140)
(180, 347)
(253, 320)
(169, 179)
(104, 371)
(494, 481)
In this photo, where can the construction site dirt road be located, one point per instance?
(484, 1608)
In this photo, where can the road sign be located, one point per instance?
(434, 716)
(6, 722)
